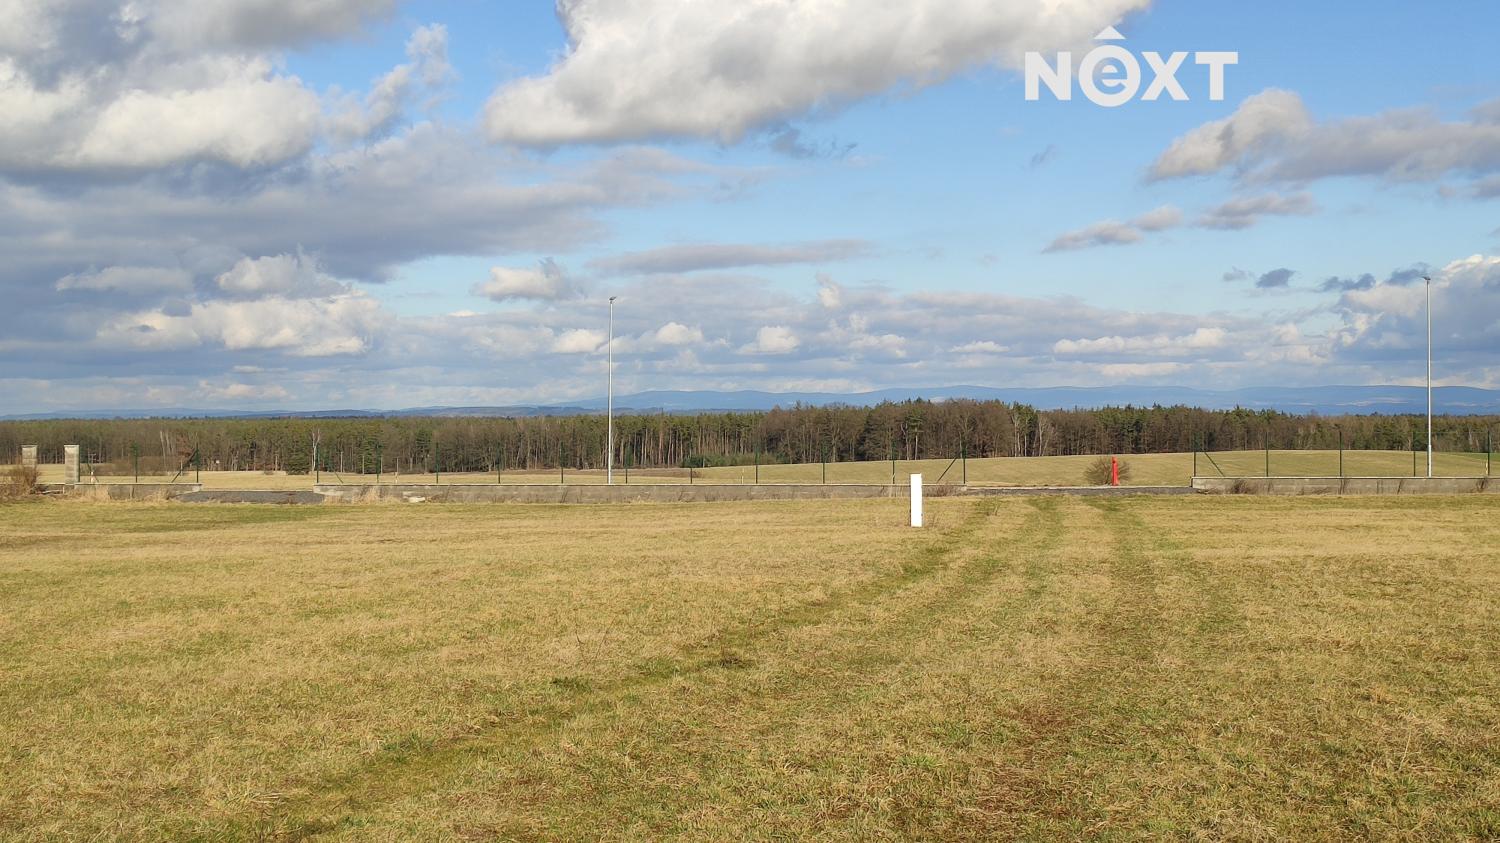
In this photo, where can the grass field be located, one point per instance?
(1250, 668)
(1146, 470)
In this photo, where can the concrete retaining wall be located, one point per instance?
(1078, 491)
(699, 492)
(131, 491)
(1346, 485)
(304, 496)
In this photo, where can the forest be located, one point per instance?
(799, 434)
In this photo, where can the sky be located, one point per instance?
(283, 204)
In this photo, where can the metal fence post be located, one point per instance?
(757, 463)
(437, 465)
(1341, 453)
(825, 465)
(379, 462)
(499, 465)
(135, 453)
(1268, 460)
(963, 453)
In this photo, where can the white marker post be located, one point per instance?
(916, 500)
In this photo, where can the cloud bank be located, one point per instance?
(720, 71)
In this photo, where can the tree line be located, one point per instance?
(800, 434)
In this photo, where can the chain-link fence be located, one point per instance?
(187, 463)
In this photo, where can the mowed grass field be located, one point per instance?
(1252, 668)
(1145, 470)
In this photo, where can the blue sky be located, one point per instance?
(383, 204)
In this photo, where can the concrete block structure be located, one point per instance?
(1346, 485)
(70, 464)
(675, 493)
(28, 456)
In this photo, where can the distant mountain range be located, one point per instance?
(1327, 400)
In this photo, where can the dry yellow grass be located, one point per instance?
(1145, 667)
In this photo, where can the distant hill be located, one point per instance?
(1326, 400)
(1320, 399)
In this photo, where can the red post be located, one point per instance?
(1114, 471)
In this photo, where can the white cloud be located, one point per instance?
(345, 324)
(830, 294)
(980, 347)
(243, 116)
(773, 339)
(1272, 137)
(1106, 233)
(578, 341)
(392, 94)
(640, 69)
(236, 392)
(288, 276)
(1199, 340)
(1116, 233)
(1260, 124)
(1238, 213)
(547, 282)
(1389, 320)
(1246, 211)
(1159, 219)
(111, 85)
(230, 109)
(676, 334)
(880, 337)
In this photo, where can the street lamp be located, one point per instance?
(609, 438)
(1429, 374)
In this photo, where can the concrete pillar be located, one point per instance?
(70, 464)
(28, 456)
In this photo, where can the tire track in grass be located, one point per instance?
(869, 658)
(872, 648)
(809, 680)
(411, 764)
(1090, 726)
(853, 674)
(872, 641)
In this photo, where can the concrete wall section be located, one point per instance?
(1077, 491)
(1346, 485)
(70, 463)
(251, 496)
(28, 456)
(701, 492)
(132, 491)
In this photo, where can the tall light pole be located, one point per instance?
(1429, 374)
(609, 437)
